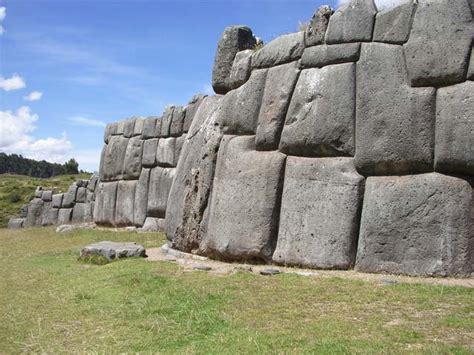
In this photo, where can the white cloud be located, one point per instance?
(3, 14)
(33, 96)
(16, 128)
(381, 4)
(87, 122)
(14, 83)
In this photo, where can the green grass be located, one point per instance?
(17, 190)
(52, 303)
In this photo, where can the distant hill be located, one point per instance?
(17, 190)
(17, 164)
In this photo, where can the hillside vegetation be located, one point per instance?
(17, 164)
(17, 190)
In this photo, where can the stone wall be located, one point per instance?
(349, 144)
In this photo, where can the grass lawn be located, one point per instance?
(17, 190)
(50, 302)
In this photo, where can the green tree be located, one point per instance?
(71, 166)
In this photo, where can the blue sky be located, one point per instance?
(67, 67)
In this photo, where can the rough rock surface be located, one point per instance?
(317, 27)
(112, 162)
(110, 129)
(320, 209)
(128, 127)
(352, 22)
(112, 250)
(440, 41)
(176, 128)
(35, 210)
(132, 163)
(153, 224)
(47, 196)
(454, 142)
(149, 128)
(320, 119)
(233, 40)
(166, 121)
(284, 49)
(79, 213)
(470, 73)
(320, 56)
(70, 196)
(64, 215)
(191, 109)
(16, 223)
(243, 217)
(395, 123)
(105, 203)
(141, 198)
(161, 180)
(394, 25)
(149, 152)
(45, 214)
(81, 194)
(241, 69)
(165, 155)
(125, 203)
(417, 225)
(279, 86)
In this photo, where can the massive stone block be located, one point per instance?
(158, 191)
(191, 109)
(241, 69)
(394, 25)
(440, 41)
(233, 40)
(243, 217)
(417, 225)
(395, 123)
(79, 212)
(320, 118)
(284, 49)
(352, 22)
(320, 56)
(165, 155)
(70, 196)
(46, 217)
(98, 212)
(153, 224)
(279, 86)
(165, 122)
(57, 200)
(470, 73)
(16, 223)
(177, 121)
(317, 27)
(189, 195)
(454, 142)
(124, 203)
(150, 128)
(138, 128)
(104, 208)
(64, 215)
(320, 209)
(113, 158)
(93, 183)
(141, 198)
(240, 107)
(110, 130)
(129, 127)
(47, 196)
(132, 164)
(81, 194)
(120, 127)
(150, 147)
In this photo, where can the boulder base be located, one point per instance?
(112, 250)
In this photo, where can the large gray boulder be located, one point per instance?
(79, 212)
(165, 121)
(113, 158)
(70, 196)
(45, 214)
(141, 198)
(53, 216)
(129, 127)
(243, 217)
(165, 155)
(418, 225)
(47, 196)
(15, 223)
(110, 129)
(320, 209)
(316, 30)
(177, 121)
(23, 211)
(113, 250)
(284, 49)
(81, 194)
(191, 109)
(139, 123)
(233, 40)
(320, 56)
(241, 68)
(240, 107)
(454, 142)
(320, 118)
(437, 52)
(104, 209)
(352, 22)
(153, 224)
(395, 123)
(149, 128)
(394, 25)
(470, 73)
(120, 127)
(189, 195)
(279, 86)
(161, 180)
(57, 200)
(125, 203)
(64, 215)
(150, 147)
(93, 182)
(132, 164)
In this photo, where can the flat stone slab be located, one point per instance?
(270, 272)
(113, 250)
(283, 49)
(16, 223)
(320, 56)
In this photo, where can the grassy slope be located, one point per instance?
(50, 302)
(25, 187)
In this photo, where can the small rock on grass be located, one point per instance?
(202, 267)
(270, 272)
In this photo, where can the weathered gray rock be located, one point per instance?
(454, 142)
(241, 69)
(191, 109)
(150, 129)
(98, 212)
(417, 225)
(243, 217)
(284, 49)
(161, 180)
(141, 198)
(470, 73)
(53, 216)
(177, 121)
(394, 25)
(113, 158)
(23, 211)
(320, 209)
(440, 41)
(165, 121)
(104, 209)
(57, 200)
(395, 123)
(82, 183)
(189, 195)
(138, 128)
(317, 27)
(45, 214)
(150, 147)
(240, 107)
(233, 40)
(153, 224)
(112, 250)
(79, 212)
(81, 194)
(120, 127)
(320, 118)
(16, 223)
(64, 215)
(129, 127)
(279, 86)
(132, 164)
(93, 183)
(165, 155)
(352, 22)
(125, 203)
(47, 195)
(178, 147)
(70, 196)
(320, 56)
(39, 192)
(110, 130)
